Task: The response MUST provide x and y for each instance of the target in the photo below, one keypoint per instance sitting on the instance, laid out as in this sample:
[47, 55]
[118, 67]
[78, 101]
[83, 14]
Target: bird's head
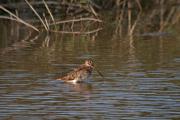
[89, 63]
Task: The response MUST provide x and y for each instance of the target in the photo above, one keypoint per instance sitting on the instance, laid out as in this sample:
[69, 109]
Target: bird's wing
[72, 75]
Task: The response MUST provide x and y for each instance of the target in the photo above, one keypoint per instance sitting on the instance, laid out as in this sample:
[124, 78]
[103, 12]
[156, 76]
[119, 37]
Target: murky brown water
[143, 78]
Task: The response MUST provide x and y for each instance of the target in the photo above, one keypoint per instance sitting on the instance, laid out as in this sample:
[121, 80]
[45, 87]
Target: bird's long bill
[99, 72]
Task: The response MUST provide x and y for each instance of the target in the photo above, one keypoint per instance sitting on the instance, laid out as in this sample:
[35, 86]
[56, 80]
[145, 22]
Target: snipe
[83, 72]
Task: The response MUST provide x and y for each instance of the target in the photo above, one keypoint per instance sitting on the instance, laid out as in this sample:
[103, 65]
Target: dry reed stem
[50, 13]
[37, 15]
[135, 23]
[139, 5]
[131, 26]
[45, 20]
[77, 32]
[72, 25]
[46, 41]
[129, 17]
[93, 11]
[161, 24]
[169, 16]
[120, 18]
[176, 20]
[77, 20]
[16, 18]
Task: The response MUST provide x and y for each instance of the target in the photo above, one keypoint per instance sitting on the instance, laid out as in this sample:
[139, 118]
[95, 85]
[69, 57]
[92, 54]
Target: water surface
[142, 78]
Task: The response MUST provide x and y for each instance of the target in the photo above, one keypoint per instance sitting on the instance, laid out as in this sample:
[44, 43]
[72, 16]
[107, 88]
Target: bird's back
[79, 74]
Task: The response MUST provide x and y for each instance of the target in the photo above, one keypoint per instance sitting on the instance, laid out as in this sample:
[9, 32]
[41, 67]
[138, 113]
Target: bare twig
[77, 32]
[129, 16]
[45, 20]
[77, 20]
[135, 23]
[16, 18]
[162, 11]
[139, 5]
[37, 15]
[176, 20]
[49, 11]
[93, 11]
[120, 19]
[72, 25]
[169, 16]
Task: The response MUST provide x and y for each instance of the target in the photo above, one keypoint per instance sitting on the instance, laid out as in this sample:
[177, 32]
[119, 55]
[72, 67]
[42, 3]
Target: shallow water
[142, 78]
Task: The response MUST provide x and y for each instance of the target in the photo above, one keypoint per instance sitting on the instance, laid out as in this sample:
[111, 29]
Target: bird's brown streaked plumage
[79, 74]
